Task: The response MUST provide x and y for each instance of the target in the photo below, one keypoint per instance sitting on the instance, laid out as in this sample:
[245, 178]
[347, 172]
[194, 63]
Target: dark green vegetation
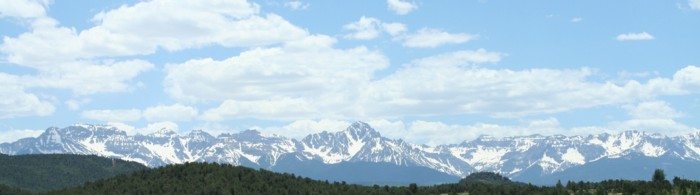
[11, 190]
[490, 183]
[46, 172]
[100, 176]
[205, 178]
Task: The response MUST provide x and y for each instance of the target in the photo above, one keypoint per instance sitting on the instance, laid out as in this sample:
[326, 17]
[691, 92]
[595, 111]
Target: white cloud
[652, 116]
[113, 115]
[130, 130]
[431, 38]
[153, 127]
[395, 28]
[175, 112]
[576, 19]
[83, 65]
[694, 4]
[401, 7]
[74, 104]
[369, 28]
[451, 83]
[365, 28]
[634, 36]
[84, 78]
[22, 8]
[16, 102]
[664, 126]
[311, 80]
[653, 110]
[296, 5]
[459, 58]
[308, 72]
[668, 127]
[687, 79]
[301, 128]
[16, 134]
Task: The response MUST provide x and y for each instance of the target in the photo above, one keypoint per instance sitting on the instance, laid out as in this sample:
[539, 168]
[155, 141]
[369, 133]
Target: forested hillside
[11, 190]
[46, 172]
[203, 178]
[97, 175]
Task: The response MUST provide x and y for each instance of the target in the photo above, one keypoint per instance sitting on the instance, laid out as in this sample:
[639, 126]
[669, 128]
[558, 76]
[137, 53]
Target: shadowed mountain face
[535, 158]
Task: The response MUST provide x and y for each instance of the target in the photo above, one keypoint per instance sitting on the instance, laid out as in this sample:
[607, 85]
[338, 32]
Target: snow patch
[650, 150]
[572, 155]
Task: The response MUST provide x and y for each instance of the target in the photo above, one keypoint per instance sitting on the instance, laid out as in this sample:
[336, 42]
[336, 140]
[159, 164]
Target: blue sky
[432, 72]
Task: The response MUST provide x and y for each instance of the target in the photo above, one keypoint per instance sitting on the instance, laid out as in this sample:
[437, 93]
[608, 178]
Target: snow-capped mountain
[524, 157]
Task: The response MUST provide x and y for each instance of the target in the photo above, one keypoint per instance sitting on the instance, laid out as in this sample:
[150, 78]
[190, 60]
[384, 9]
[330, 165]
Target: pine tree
[413, 187]
[659, 176]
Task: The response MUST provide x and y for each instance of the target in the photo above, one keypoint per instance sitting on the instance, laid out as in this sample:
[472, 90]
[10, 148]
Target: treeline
[206, 178]
[97, 175]
[12, 190]
[501, 185]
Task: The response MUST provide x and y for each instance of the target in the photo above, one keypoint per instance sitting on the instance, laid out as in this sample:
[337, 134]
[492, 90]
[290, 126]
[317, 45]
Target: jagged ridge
[510, 156]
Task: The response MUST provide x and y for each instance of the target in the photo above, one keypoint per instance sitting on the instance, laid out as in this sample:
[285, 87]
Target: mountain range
[359, 154]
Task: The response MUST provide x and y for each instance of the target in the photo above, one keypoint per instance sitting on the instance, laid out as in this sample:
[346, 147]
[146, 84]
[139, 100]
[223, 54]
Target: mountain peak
[361, 129]
[250, 134]
[164, 132]
[199, 135]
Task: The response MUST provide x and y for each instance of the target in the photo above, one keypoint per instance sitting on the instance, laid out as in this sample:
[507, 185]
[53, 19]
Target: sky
[428, 72]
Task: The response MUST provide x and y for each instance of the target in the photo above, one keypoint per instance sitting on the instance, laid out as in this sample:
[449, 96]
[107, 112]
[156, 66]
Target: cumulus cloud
[365, 28]
[85, 78]
[296, 5]
[694, 4]
[310, 79]
[369, 28]
[652, 116]
[153, 127]
[301, 128]
[15, 134]
[16, 102]
[138, 29]
[634, 36]
[653, 110]
[130, 130]
[401, 7]
[76, 104]
[175, 112]
[308, 72]
[125, 115]
[431, 38]
[22, 8]
[395, 28]
[455, 83]
[279, 109]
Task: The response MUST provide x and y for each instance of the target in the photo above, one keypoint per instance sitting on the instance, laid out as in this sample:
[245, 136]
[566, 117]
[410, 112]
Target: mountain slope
[367, 173]
[54, 171]
[525, 158]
